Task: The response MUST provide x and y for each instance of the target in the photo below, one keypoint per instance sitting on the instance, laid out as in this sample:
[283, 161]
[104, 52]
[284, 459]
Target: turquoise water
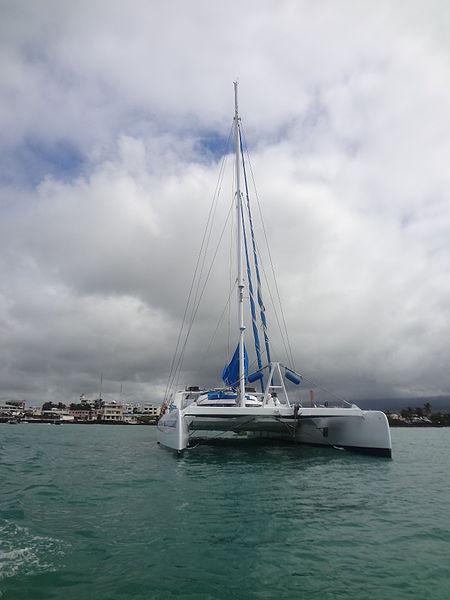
[102, 512]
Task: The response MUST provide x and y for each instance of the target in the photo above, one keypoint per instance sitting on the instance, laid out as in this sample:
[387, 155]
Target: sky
[113, 117]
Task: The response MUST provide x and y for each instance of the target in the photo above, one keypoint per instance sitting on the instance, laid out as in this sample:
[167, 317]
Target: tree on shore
[440, 419]
[82, 406]
[407, 413]
[50, 405]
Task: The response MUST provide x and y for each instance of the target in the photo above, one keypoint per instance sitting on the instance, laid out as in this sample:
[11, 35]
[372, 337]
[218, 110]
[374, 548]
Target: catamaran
[237, 409]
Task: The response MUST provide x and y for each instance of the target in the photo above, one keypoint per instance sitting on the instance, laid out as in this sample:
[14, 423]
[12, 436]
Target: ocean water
[103, 512]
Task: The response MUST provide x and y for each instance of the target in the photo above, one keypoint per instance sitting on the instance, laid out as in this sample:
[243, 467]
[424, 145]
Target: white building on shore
[149, 410]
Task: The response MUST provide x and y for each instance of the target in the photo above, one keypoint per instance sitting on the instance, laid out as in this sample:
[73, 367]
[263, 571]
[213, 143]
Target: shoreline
[13, 421]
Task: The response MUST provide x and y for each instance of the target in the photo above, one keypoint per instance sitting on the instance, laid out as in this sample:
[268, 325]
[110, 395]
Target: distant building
[84, 414]
[151, 410]
[112, 412]
[61, 414]
[10, 407]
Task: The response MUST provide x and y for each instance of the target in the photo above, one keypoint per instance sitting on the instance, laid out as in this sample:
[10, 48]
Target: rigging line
[268, 248]
[316, 385]
[231, 270]
[216, 193]
[172, 374]
[289, 350]
[220, 319]
[324, 389]
[205, 253]
[273, 343]
[279, 301]
[181, 357]
[252, 300]
[213, 212]
[260, 368]
[203, 250]
[258, 278]
[277, 318]
[196, 270]
[211, 227]
[272, 301]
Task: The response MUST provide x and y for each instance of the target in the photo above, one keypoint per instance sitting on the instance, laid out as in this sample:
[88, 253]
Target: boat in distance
[238, 409]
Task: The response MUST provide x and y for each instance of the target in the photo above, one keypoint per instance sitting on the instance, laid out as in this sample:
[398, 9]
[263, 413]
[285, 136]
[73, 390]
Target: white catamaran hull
[350, 428]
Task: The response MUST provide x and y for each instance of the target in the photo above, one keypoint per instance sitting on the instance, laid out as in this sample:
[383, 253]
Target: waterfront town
[84, 411]
[112, 412]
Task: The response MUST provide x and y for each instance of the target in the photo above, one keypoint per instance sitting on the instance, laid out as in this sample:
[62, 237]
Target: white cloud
[345, 110]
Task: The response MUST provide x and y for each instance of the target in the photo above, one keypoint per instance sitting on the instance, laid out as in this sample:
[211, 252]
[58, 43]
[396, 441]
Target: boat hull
[173, 430]
[352, 429]
[370, 434]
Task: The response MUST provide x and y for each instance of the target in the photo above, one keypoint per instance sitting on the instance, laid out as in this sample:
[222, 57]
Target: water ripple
[104, 513]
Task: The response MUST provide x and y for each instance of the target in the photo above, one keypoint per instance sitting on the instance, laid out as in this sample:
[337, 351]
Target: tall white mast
[239, 252]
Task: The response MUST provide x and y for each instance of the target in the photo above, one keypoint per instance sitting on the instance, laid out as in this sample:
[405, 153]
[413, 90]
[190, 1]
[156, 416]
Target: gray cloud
[111, 123]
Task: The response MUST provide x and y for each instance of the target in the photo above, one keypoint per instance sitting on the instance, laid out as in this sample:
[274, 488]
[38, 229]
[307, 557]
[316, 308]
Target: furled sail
[230, 374]
[255, 256]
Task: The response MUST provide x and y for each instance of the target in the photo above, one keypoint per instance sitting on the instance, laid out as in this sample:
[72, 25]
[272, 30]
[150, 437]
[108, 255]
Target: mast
[239, 252]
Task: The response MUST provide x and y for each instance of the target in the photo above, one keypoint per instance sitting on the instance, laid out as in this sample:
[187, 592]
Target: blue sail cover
[230, 374]
[252, 303]
[255, 256]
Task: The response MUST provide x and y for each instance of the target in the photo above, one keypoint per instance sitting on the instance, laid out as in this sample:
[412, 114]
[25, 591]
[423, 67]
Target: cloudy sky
[112, 119]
